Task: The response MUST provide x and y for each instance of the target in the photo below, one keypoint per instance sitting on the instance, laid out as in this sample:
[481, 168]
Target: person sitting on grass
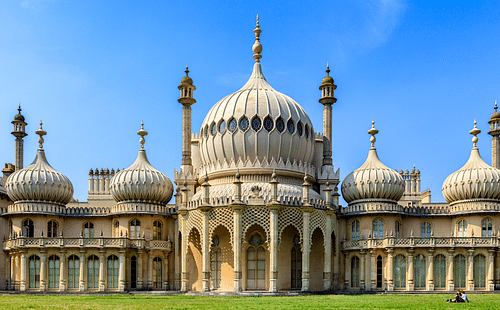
[464, 297]
[458, 298]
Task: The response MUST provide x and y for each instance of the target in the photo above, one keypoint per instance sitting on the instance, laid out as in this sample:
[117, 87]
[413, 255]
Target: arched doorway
[296, 264]
[379, 272]
[256, 263]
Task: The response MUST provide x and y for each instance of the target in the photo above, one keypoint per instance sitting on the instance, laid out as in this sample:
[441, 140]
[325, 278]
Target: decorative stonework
[289, 216]
[221, 217]
[256, 216]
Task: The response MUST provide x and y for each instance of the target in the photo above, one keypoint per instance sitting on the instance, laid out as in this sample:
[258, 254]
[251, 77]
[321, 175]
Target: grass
[205, 302]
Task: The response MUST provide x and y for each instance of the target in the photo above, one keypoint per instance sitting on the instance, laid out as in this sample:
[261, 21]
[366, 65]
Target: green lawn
[266, 303]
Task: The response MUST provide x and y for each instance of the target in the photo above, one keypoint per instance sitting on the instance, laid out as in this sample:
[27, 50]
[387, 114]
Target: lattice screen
[289, 216]
[195, 220]
[221, 217]
[318, 219]
[258, 216]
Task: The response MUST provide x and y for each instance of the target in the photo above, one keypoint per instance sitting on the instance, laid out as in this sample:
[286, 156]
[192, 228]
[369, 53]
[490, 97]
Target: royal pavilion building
[256, 207]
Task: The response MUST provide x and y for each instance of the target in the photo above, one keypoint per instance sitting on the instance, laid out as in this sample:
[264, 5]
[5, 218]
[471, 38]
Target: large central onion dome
[373, 180]
[475, 180]
[141, 182]
[39, 182]
[256, 123]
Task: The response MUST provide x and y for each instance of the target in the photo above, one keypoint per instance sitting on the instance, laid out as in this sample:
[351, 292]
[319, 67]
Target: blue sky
[92, 70]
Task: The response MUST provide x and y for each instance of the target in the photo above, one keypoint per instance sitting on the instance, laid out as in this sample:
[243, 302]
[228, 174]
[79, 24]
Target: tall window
[28, 229]
[355, 271]
[378, 229]
[157, 273]
[54, 268]
[34, 271]
[425, 231]
[88, 230]
[113, 269]
[116, 229]
[355, 230]
[215, 262]
[379, 271]
[462, 228]
[398, 228]
[73, 271]
[400, 271]
[420, 271]
[135, 229]
[256, 264]
[479, 271]
[157, 229]
[486, 228]
[11, 232]
[459, 273]
[296, 264]
[133, 272]
[440, 271]
[93, 272]
[52, 229]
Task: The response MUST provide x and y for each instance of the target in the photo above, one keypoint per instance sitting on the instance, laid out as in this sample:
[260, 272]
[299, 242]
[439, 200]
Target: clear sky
[92, 70]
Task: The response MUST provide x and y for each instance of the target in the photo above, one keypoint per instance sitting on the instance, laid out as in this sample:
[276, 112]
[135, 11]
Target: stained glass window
[280, 125]
[400, 271]
[290, 126]
[459, 273]
[244, 123]
[425, 230]
[73, 271]
[355, 230]
[54, 268]
[479, 271]
[113, 269]
[486, 228]
[378, 229]
[420, 274]
[268, 123]
[462, 229]
[34, 271]
[233, 124]
[355, 271]
[93, 272]
[256, 123]
[222, 127]
[439, 271]
[299, 128]
[157, 273]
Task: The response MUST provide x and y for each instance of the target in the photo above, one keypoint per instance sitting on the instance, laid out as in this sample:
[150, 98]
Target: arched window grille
[54, 268]
[113, 269]
[93, 272]
[400, 271]
[439, 271]
[479, 271]
[73, 272]
[459, 271]
[34, 271]
[420, 271]
[256, 264]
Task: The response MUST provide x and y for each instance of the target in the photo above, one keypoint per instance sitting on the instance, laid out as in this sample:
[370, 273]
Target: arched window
[215, 262]
[479, 271]
[296, 275]
[73, 271]
[256, 263]
[113, 269]
[88, 230]
[425, 230]
[157, 273]
[355, 271]
[486, 228]
[459, 273]
[93, 272]
[420, 271]
[54, 268]
[462, 228]
[379, 271]
[34, 271]
[378, 229]
[400, 271]
[116, 229]
[355, 230]
[135, 229]
[157, 229]
[398, 228]
[28, 229]
[439, 271]
[52, 229]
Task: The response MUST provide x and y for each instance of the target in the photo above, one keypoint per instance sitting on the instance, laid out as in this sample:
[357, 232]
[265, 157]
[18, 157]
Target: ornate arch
[289, 217]
[256, 216]
[221, 217]
[318, 220]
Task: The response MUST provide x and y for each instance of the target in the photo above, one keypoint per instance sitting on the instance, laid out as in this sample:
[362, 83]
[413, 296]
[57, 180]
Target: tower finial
[21, 110]
[327, 69]
[257, 47]
[373, 132]
[41, 133]
[187, 69]
[475, 131]
[496, 107]
[142, 133]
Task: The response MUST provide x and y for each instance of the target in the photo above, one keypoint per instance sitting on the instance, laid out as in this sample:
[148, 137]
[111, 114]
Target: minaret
[186, 100]
[327, 100]
[495, 139]
[19, 133]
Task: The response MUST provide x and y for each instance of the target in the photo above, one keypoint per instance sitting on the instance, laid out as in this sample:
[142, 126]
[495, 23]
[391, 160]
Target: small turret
[19, 132]
[187, 88]
[495, 138]
[327, 100]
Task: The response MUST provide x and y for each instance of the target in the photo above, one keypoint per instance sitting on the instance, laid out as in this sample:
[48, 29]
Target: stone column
[184, 249]
[390, 271]
[83, 276]
[273, 251]
[23, 285]
[491, 279]
[121, 273]
[139, 270]
[497, 270]
[327, 271]
[336, 258]
[451, 283]
[362, 270]
[62, 271]
[177, 266]
[16, 269]
[237, 212]
[165, 271]
[347, 272]
[373, 269]
[410, 271]
[43, 270]
[430, 270]
[470, 270]
[102, 270]
[306, 216]
[205, 250]
[150, 271]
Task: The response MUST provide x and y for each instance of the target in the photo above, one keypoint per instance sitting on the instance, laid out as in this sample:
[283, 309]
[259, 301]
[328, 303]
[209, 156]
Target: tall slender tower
[495, 139]
[19, 133]
[186, 100]
[327, 99]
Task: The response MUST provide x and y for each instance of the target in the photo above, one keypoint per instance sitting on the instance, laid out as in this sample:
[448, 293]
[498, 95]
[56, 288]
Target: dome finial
[142, 133]
[373, 132]
[20, 106]
[257, 47]
[187, 69]
[327, 69]
[475, 132]
[41, 133]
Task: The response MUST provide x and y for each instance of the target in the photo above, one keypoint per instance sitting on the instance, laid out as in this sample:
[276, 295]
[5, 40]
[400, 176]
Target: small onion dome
[327, 79]
[39, 182]
[141, 182]
[475, 180]
[19, 117]
[373, 180]
[187, 79]
[495, 115]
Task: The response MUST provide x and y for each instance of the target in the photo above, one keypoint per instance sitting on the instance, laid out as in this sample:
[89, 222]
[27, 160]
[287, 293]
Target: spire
[142, 133]
[257, 47]
[475, 132]
[496, 106]
[41, 133]
[373, 132]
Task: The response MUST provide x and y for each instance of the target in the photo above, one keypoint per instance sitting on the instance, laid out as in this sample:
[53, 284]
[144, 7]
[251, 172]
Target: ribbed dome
[373, 180]
[39, 182]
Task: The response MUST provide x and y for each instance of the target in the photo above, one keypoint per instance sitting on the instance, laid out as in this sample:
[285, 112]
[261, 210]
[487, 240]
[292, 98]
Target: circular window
[213, 131]
[233, 124]
[256, 123]
[244, 123]
[290, 126]
[268, 123]
[215, 242]
[280, 125]
[306, 131]
[255, 240]
[299, 129]
[222, 127]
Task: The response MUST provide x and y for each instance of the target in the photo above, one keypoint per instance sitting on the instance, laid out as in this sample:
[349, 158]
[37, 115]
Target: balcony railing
[391, 242]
